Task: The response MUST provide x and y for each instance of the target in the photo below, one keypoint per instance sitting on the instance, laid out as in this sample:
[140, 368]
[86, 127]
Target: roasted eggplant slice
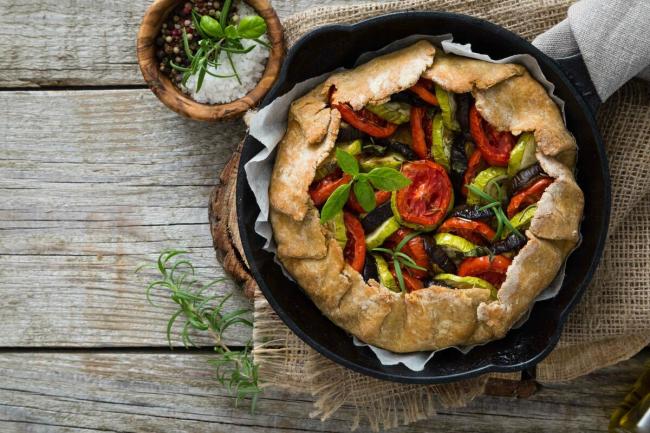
[370, 269]
[458, 164]
[527, 176]
[463, 101]
[513, 242]
[409, 98]
[440, 261]
[377, 217]
[396, 146]
[471, 212]
[348, 133]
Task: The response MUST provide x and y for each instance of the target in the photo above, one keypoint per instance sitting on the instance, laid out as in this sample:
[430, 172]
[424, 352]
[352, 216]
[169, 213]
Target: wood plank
[128, 392]
[97, 183]
[82, 43]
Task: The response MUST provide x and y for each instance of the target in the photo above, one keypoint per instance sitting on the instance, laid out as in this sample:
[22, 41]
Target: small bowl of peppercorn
[210, 60]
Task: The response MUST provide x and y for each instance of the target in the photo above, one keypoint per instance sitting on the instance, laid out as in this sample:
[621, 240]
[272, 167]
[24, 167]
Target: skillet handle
[575, 69]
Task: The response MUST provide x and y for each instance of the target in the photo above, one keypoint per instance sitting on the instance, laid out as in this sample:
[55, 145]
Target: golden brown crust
[311, 133]
[559, 211]
[381, 77]
[462, 74]
[435, 317]
[299, 239]
[521, 104]
[532, 270]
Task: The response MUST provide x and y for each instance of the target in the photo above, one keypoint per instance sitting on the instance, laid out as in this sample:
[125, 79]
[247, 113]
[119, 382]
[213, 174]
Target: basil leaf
[365, 195]
[211, 26]
[251, 27]
[388, 179]
[231, 32]
[335, 203]
[347, 162]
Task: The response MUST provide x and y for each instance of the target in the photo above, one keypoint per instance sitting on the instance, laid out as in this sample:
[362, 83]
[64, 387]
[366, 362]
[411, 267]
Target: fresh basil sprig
[400, 259]
[382, 178]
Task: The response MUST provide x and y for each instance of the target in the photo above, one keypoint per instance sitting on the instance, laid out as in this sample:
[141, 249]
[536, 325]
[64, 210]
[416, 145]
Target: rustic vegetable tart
[424, 200]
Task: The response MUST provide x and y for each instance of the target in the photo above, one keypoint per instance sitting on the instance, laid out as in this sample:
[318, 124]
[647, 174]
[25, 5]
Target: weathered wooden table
[97, 176]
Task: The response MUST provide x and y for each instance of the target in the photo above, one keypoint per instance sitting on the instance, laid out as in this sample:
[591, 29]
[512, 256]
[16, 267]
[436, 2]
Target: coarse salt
[250, 67]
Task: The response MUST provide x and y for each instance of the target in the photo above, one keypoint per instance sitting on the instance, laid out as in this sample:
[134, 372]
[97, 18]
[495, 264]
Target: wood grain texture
[129, 392]
[178, 101]
[83, 43]
[89, 189]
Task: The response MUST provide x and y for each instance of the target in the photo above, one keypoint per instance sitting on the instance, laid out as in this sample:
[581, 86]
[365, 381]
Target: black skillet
[330, 47]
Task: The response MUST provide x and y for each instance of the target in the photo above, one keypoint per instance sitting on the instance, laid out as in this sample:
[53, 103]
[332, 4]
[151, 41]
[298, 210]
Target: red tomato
[528, 196]
[367, 122]
[427, 199]
[491, 269]
[413, 248]
[418, 133]
[495, 145]
[474, 165]
[423, 89]
[323, 189]
[380, 197]
[355, 249]
[476, 232]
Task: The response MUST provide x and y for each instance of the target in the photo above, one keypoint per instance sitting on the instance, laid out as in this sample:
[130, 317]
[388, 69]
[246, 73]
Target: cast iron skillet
[330, 47]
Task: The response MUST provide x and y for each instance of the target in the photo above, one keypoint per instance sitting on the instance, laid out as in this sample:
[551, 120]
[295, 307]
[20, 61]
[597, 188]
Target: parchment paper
[269, 124]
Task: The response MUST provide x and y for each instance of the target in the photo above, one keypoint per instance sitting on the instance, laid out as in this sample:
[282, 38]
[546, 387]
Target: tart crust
[435, 317]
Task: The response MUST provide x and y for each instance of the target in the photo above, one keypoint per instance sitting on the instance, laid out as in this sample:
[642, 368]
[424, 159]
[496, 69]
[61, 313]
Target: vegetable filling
[387, 192]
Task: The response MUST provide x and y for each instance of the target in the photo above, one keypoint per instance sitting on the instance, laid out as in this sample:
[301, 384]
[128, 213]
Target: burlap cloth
[611, 323]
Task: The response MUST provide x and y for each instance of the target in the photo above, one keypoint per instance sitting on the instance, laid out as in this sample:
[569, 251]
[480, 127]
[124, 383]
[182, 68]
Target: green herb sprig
[496, 204]
[219, 36]
[382, 178]
[400, 259]
[203, 311]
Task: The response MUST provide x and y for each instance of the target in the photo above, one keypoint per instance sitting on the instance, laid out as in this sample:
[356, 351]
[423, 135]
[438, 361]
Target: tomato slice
[528, 196]
[427, 199]
[414, 248]
[355, 249]
[474, 166]
[418, 133]
[495, 145]
[321, 190]
[423, 89]
[491, 269]
[477, 232]
[367, 122]
[354, 205]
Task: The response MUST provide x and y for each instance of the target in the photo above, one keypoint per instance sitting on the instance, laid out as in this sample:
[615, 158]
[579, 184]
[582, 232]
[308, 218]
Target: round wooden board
[222, 213]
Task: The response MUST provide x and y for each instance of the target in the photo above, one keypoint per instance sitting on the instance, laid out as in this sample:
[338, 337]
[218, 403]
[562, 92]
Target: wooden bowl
[181, 103]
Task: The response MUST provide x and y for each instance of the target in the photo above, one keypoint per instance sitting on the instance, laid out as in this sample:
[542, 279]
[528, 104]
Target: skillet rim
[516, 42]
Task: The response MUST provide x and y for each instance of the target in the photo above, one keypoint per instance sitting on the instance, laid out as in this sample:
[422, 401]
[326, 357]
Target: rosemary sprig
[202, 310]
[399, 259]
[219, 36]
[496, 204]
